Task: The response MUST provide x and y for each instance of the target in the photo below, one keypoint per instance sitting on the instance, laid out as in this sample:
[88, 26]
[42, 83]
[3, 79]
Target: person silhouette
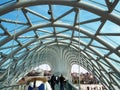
[52, 82]
[62, 82]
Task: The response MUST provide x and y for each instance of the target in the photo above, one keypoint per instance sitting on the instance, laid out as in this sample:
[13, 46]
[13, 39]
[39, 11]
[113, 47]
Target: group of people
[36, 82]
[57, 80]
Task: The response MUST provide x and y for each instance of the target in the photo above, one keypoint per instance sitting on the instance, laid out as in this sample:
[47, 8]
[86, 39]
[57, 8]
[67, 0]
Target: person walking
[52, 81]
[62, 82]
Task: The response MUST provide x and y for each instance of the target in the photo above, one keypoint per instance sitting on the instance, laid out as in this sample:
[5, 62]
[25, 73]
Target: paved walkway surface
[57, 87]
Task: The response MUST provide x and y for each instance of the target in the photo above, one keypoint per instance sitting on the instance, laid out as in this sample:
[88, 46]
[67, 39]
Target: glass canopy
[90, 27]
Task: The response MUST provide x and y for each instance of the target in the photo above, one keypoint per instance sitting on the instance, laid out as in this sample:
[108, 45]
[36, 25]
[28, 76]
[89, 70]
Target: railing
[70, 86]
[92, 87]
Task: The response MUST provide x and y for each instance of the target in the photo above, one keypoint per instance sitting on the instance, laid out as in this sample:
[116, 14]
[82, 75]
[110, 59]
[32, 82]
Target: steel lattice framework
[33, 32]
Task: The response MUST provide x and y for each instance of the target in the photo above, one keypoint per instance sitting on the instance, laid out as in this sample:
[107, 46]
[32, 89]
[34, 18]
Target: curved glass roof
[90, 27]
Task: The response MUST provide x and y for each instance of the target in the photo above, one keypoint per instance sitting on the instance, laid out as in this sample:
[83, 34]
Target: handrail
[70, 86]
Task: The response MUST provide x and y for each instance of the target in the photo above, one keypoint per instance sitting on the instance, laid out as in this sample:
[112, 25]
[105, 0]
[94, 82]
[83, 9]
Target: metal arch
[16, 50]
[90, 49]
[83, 5]
[69, 61]
[94, 10]
[83, 65]
[114, 50]
[88, 34]
[103, 58]
[96, 72]
[54, 52]
[102, 69]
[62, 25]
[44, 50]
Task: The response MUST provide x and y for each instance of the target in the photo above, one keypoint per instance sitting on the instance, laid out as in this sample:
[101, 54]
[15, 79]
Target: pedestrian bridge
[60, 33]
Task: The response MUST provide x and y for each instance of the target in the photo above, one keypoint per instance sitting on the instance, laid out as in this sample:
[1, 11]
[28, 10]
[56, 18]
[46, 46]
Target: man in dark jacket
[52, 82]
[62, 82]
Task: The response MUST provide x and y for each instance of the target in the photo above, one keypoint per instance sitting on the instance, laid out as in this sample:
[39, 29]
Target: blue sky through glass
[97, 33]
